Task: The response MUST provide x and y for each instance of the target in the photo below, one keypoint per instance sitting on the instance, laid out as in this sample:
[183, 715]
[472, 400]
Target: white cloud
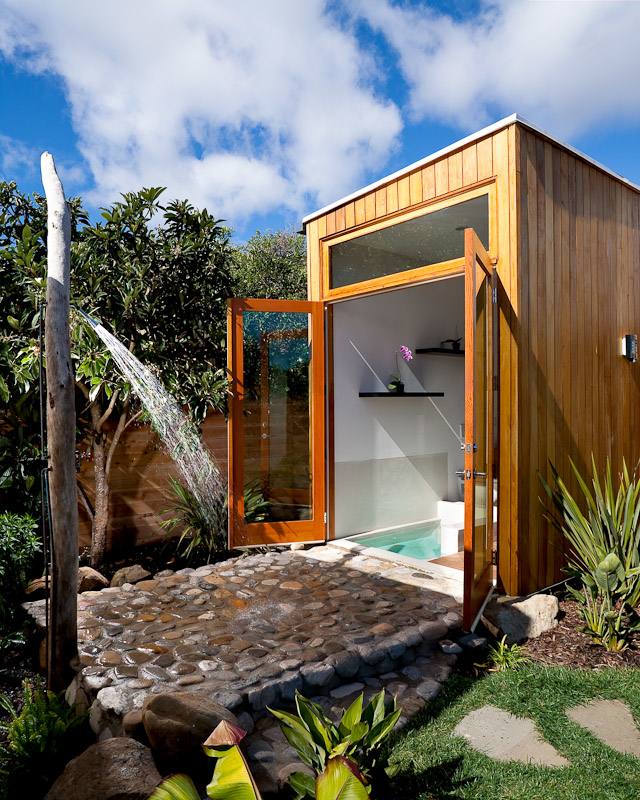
[19, 160]
[244, 106]
[570, 66]
[15, 158]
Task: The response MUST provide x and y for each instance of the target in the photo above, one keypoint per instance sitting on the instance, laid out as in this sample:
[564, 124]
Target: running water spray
[179, 435]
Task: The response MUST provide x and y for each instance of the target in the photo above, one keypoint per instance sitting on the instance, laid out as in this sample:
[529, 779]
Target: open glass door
[276, 424]
[478, 447]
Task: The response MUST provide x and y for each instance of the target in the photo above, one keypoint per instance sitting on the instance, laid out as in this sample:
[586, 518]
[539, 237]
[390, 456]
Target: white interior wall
[396, 457]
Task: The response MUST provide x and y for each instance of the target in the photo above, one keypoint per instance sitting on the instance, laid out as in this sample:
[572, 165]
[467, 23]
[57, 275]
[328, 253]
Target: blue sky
[266, 111]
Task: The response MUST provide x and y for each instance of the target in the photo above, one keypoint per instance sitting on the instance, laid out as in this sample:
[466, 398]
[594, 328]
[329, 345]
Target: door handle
[466, 474]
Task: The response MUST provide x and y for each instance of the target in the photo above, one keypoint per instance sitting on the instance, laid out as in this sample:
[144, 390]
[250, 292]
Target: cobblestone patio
[251, 631]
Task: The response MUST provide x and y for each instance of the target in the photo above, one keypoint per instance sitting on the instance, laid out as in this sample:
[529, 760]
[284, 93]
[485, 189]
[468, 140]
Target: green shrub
[198, 538]
[40, 738]
[19, 547]
[502, 656]
[605, 550]
[355, 741]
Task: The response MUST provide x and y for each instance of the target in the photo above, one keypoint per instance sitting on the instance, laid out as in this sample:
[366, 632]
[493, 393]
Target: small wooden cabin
[507, 263]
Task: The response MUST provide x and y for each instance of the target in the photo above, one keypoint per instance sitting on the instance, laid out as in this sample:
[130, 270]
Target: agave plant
[605, 550]
[609, 525]
[355, 740]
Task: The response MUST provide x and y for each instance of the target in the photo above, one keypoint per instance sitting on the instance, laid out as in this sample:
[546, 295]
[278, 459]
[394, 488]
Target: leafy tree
[23, 225]
[159, 277]
[271, 265]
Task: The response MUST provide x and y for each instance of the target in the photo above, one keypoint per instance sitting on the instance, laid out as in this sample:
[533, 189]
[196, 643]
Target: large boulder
[116, 769]
[521, 618]
[177, 723]
[132, 574]
[89, 580]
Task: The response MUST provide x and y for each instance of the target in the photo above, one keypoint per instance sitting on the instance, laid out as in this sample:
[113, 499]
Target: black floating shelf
[439, 351]
[401, 394]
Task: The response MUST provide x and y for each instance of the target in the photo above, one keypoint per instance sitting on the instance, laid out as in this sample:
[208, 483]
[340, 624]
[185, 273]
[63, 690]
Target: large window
[419, 242]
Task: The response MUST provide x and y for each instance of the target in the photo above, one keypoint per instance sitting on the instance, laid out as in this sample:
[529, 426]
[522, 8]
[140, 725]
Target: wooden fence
[140, 483]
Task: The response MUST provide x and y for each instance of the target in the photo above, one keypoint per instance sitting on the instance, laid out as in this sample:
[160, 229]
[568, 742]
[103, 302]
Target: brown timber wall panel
[139, 483]
[579, 252]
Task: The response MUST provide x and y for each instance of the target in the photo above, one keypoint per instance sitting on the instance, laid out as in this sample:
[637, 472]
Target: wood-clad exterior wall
[490, 161]
[140, 483]
[579, 256]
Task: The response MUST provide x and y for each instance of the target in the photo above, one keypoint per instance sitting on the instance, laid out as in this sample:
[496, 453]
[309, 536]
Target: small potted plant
[395, 385]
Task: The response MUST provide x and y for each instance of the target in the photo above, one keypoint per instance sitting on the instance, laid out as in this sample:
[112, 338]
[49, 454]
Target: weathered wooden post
[61, 435]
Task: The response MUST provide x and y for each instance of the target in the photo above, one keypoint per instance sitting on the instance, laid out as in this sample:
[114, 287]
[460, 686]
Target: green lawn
[434, 764]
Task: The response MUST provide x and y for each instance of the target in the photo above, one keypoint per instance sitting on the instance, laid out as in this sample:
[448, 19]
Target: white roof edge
[493, 128]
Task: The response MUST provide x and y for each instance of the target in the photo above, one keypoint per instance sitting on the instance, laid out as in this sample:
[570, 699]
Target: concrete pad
[505, 737]
[610, 721]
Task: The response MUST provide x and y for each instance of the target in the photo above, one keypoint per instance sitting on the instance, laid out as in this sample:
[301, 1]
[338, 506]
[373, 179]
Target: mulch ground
[567, 646]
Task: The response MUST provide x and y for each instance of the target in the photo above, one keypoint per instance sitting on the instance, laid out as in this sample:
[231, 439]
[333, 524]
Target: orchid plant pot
[395, 385]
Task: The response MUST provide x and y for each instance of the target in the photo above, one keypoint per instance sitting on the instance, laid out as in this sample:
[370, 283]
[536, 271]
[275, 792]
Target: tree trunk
[61, 433]
[101, 504]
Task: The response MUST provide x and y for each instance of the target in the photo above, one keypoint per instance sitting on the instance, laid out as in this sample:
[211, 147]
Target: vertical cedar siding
[579, 256]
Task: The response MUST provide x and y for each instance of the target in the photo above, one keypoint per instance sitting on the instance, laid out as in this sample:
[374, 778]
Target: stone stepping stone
[611, 721]
[505, 737]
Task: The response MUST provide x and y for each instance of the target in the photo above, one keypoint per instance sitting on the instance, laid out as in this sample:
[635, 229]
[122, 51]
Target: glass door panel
[479, 451]
[276, 421]
[276, 416]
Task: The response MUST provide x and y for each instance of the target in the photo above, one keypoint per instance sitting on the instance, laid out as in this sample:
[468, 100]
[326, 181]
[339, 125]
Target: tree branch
[122, 421]
[134, 417]
[107, 413]
[83, 389]
[85, 502]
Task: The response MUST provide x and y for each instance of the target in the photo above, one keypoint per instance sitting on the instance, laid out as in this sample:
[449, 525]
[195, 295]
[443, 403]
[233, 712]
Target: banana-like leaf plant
[339, 781]
[176, 787]
[232, 778]
[356, 738]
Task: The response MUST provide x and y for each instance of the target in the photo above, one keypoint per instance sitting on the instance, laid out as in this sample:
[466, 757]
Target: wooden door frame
[329, 344]
[475, 247]
[256, 534]
[399, 280]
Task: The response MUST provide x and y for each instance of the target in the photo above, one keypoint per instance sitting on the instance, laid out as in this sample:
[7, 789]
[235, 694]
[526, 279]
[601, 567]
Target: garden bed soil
[566, 645]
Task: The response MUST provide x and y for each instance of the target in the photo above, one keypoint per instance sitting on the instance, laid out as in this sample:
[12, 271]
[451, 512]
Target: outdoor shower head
[93, 322]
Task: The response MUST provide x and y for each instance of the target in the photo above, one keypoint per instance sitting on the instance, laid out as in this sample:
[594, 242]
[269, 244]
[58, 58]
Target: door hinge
[494, 294]
[325, 517]
[494, 558]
